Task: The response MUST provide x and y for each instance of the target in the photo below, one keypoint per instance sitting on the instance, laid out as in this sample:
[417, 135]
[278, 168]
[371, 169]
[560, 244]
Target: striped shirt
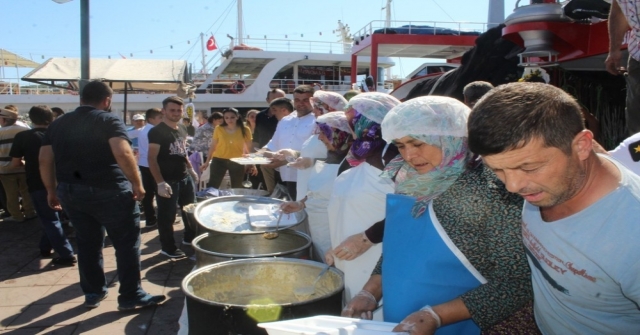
[631, 10]
[7, 134]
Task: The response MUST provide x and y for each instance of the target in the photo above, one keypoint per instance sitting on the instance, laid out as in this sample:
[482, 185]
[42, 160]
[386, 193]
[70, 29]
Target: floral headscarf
[331, 99]
[336, 128]
[370, 109]
[437, 121]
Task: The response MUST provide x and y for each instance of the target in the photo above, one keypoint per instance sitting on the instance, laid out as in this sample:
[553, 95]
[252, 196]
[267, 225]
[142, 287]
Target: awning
[136, 74]
[9, 59]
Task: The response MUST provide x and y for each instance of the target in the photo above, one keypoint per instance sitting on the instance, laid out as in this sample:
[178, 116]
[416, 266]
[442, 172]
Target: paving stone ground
[37, 297]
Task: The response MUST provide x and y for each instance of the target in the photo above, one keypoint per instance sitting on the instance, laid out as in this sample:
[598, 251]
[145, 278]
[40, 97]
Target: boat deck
[37, 297]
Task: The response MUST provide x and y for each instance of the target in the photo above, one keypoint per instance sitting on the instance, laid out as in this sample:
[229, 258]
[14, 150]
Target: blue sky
[41, 29]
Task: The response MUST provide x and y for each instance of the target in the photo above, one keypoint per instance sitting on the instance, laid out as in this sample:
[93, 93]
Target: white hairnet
[332, 99]
[425, 117]
[373, 105]
[335, 120]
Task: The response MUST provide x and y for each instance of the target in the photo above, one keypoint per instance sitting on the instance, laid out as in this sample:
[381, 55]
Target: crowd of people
[499, 214]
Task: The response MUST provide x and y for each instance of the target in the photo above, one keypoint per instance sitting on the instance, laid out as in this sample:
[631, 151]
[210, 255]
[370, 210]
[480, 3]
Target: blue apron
[421, 266]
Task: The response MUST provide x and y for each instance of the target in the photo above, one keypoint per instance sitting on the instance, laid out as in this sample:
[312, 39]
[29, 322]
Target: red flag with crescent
[211, 44]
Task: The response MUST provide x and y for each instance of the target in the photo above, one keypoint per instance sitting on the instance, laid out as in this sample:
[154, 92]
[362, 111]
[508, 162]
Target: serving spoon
[310, 290]
[270, 235]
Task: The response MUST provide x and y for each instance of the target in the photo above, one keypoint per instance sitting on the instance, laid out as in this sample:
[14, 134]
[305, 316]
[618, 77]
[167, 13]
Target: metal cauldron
[233, 297]
[239, 191]
[214, 248]
[230, 214]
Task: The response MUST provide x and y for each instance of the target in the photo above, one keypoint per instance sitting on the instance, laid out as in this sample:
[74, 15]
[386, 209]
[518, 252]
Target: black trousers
[150, 186]
[220, 166]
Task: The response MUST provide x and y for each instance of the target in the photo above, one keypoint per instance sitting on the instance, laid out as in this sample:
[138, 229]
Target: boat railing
[421, 27]
[296, 45]
[13, 86]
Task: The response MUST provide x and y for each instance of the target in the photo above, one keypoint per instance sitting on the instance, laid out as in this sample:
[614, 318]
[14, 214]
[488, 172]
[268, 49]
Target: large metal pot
[214, 248]
[233, 297]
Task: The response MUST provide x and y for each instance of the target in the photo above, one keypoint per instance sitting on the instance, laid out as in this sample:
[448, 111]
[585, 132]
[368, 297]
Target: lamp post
[84, 41]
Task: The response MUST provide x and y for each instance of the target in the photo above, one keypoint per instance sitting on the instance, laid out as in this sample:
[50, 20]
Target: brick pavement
[37, 297]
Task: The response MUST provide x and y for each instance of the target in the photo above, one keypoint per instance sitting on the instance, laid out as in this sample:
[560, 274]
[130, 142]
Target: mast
[387, 24]
[204, 62]
[240, 24]
[345, 38]
[496, 13]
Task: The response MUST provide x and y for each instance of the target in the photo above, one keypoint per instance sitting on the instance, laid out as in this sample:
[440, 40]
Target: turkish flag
[211, 44]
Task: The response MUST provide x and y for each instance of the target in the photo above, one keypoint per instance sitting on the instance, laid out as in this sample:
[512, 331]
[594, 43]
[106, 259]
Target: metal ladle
[310, 290]
[270, 235]
[247, 183]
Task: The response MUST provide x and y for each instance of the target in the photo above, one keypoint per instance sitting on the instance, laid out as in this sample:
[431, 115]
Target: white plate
[251, 160]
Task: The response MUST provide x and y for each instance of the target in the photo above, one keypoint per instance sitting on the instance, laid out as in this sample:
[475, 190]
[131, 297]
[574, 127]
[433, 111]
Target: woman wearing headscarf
[326, 101]
[323, 102]
[334, 132]
[453, 255]
[358, 195]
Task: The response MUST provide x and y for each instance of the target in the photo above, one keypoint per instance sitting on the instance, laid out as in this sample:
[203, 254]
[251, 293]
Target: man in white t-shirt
[628, 153]
[580, 219]
[152, 117]
[291, 132]
[624, 20]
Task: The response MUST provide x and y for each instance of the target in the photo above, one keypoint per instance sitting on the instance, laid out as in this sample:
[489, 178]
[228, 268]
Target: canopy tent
[10, 59]
[123, 75]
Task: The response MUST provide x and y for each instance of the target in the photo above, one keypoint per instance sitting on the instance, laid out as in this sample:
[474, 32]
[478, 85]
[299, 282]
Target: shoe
[175, 254]
[150, 224]
[30, 217]
[146, 301]
[12, 219]
[65, 261]
[45, 253]
[93, 300]
[185, 242]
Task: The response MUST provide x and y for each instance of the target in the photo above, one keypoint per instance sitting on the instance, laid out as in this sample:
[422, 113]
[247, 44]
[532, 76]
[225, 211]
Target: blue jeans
[52, 235]
[183, 194]
[91, 210]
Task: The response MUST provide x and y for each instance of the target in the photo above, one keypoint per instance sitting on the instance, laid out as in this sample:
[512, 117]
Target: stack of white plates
[328, 325]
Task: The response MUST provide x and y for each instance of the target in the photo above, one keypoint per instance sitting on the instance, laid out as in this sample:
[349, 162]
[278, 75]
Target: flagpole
[204, 64]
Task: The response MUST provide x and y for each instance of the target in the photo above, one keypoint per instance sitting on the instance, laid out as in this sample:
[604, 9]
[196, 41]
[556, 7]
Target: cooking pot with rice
[233, 297]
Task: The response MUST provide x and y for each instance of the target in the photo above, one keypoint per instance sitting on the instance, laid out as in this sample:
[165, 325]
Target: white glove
[302, 163]
[361, 306]
[193, 175]
[286, 154]
[164, 190]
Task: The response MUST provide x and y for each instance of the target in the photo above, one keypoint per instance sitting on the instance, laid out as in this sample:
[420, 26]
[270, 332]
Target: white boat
[248, 69]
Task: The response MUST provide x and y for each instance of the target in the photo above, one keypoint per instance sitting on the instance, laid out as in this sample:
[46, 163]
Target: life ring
[237, 87]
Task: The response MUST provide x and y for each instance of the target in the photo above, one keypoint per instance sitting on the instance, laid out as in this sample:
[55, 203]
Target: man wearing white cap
[13, 179]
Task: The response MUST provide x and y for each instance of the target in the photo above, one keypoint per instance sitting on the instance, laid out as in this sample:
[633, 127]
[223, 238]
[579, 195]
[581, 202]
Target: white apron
[311, 148]
[357, 202]
[319, 189]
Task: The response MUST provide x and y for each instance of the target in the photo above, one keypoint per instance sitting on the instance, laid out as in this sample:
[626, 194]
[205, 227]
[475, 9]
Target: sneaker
[65, 261]
[13, 219]
[45, 253]
[185, 242]
[150, 224]
[146, 301]
[175, 254]
[93, 300]
[31, 217]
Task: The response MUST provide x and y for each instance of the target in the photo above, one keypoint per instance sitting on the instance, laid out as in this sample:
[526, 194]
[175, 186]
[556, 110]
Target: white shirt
[292, 131]
[143, 145]
[631, 11]
[627, 151]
